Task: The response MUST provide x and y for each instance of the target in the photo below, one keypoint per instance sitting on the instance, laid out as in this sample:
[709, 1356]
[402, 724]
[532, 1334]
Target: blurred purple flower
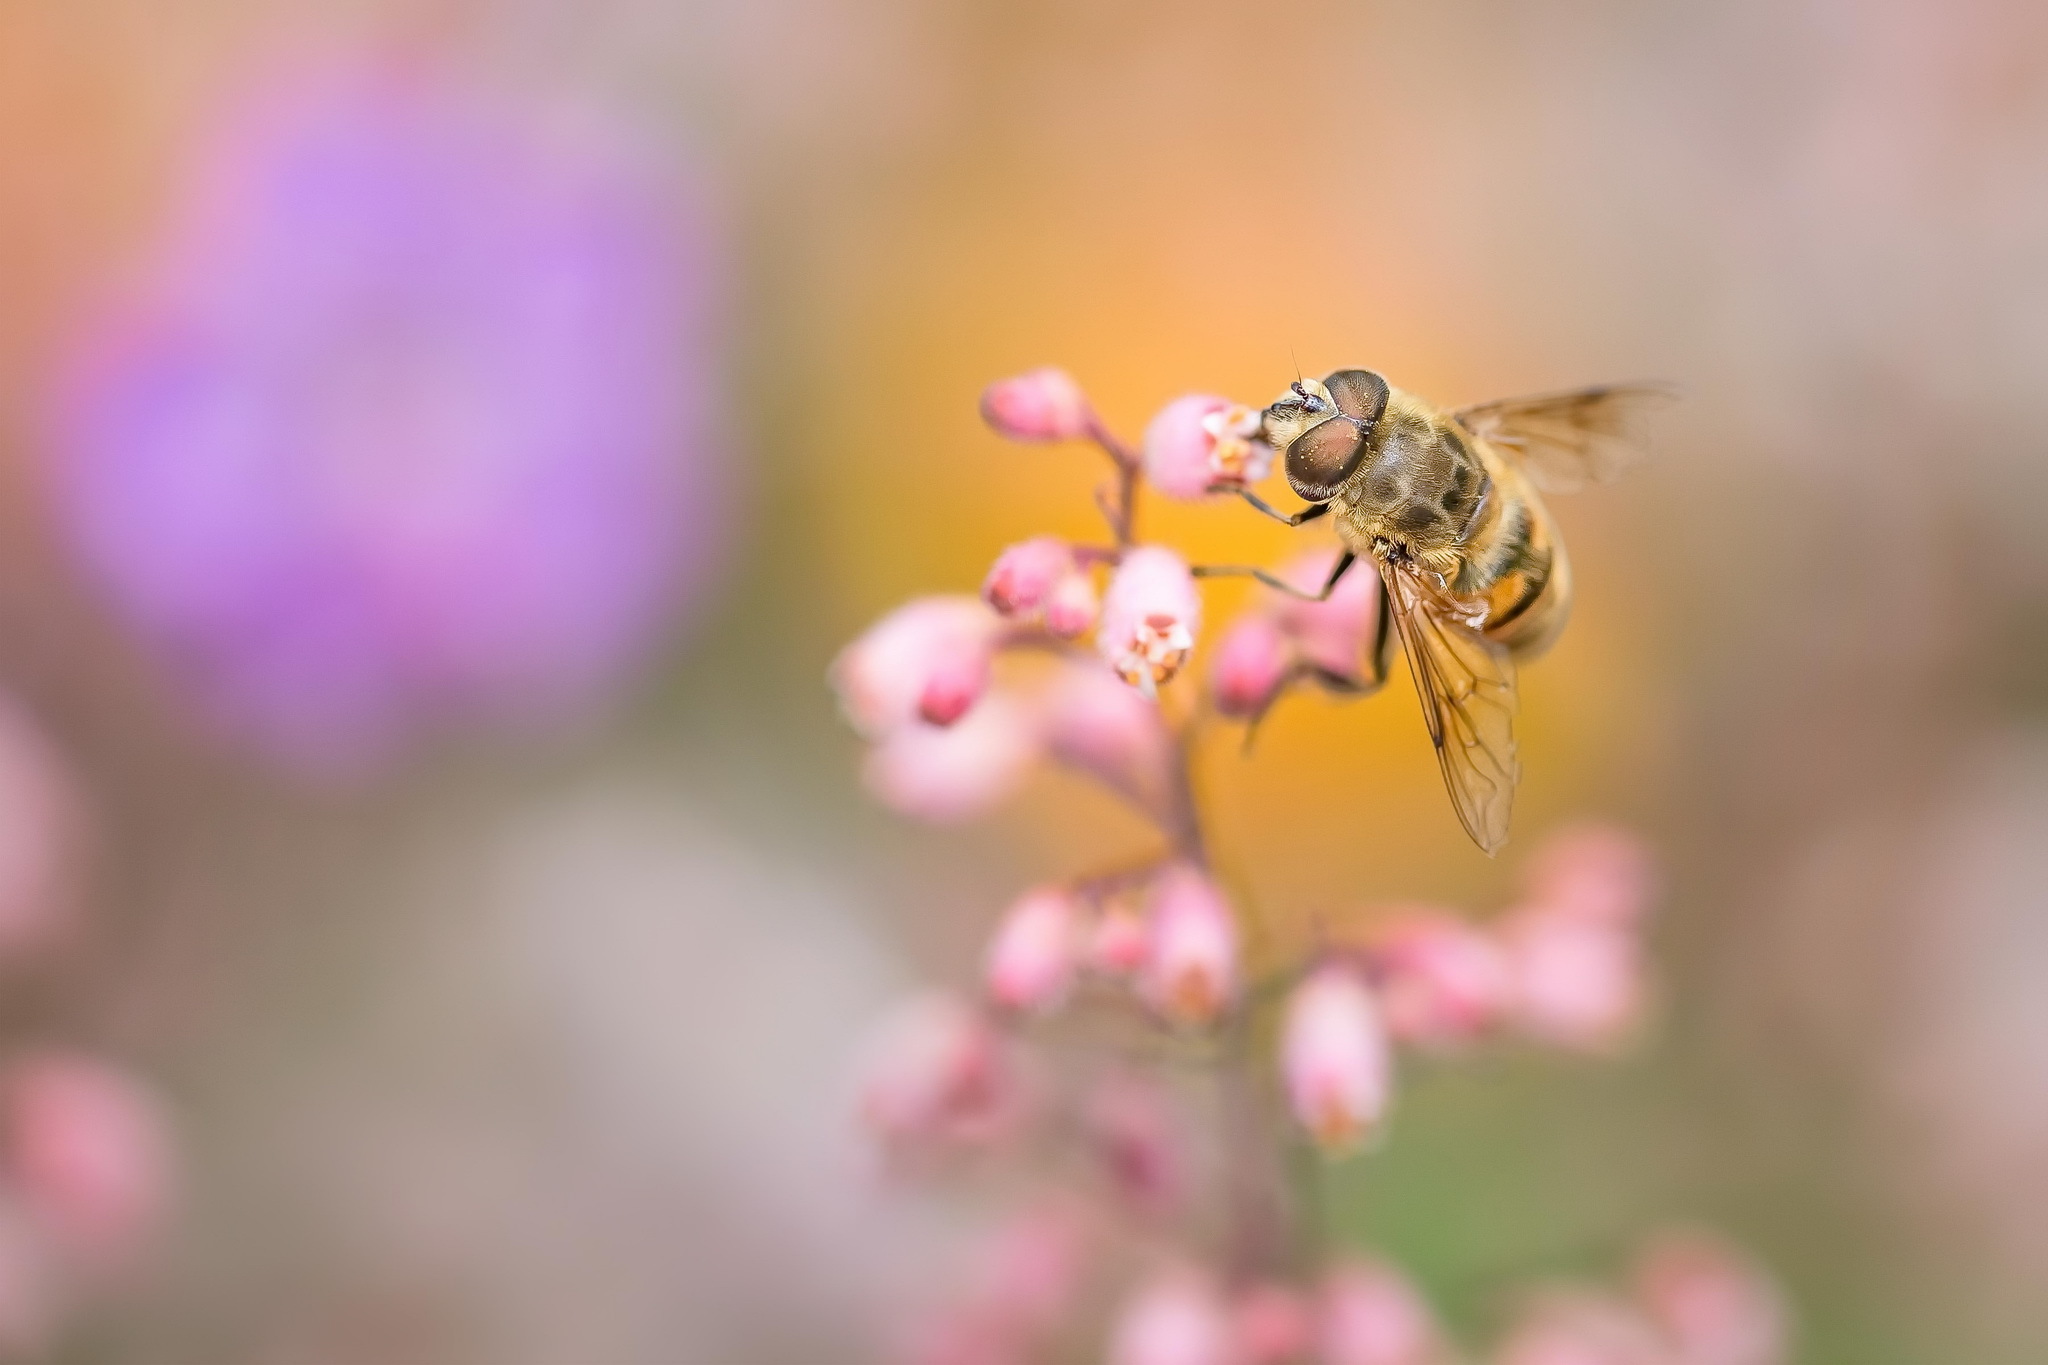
[408, 420]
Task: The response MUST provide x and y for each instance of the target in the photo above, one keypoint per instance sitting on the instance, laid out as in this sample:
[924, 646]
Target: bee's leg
[1308, 513]
[1274, 581]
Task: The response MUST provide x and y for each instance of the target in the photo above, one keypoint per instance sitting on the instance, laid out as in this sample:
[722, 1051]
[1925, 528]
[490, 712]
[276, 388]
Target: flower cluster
[1124, 1056]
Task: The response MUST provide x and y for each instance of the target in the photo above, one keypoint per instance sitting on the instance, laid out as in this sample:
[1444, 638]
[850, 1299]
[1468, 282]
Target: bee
[1473, 575]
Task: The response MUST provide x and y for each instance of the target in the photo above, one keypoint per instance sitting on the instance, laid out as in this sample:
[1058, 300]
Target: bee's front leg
[1277, 583]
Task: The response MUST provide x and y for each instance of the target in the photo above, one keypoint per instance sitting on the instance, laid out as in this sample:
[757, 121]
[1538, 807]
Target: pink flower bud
[1334, 1058]
[956, 773]
[1025, 574]
[1601, 874]
[1711, 1301]
[89, 1150]
[1031, 959]
[1119, 943]
[929, 658]
[1251, 662]
[1073, 607]
[1132, 1131]
[1176, 1319]
[1372, 1315]
[1333, 634]
[1272, 1324]
[1574, 983]
[1199, 441]
[936, 1074]
[1039, 405]
[1191, 976]
[1571, 1327]
[1096, 724]
[1150, 617]
[1440, 981]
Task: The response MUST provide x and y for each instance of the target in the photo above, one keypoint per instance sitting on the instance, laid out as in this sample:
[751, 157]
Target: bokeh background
[495, 968]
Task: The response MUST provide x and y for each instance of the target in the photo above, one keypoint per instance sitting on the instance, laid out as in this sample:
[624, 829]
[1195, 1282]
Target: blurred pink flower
[1175, 1319]
[1028, 1272]
[927, 660]
[1371, 1315]
[1025, 574]
[88, 1149]
[1191, 976]
[1132, 1131]
[1039, 405]
[1250, 663]
[1335, 633]
[1096, 724]
[411, 419]
[1119, 942]
[1440, 980]
[937, 1074]
[1199, 441]
[1150, 617]
[1581, 1327]
[42, 826]
[1713, 1303]
[1334, 1057]
[1600, 874]
[1041, 579]
[1034, 952]
[957, 772]
[1575, 983]
[1272, 1324]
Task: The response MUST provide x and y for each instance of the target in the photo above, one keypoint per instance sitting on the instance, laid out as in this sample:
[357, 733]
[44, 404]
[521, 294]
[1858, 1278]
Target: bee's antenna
[1297, 362]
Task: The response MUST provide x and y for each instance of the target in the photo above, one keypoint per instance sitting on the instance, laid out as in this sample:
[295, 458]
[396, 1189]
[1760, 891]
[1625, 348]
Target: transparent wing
[1568, 440]
[1467, 687]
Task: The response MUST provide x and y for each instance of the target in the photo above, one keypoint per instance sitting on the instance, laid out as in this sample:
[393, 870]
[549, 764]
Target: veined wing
[1467, 687]
[1568, 440]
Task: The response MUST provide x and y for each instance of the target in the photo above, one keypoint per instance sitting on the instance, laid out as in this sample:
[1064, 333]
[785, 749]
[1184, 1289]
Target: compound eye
[1359, 394]
[1321, 458]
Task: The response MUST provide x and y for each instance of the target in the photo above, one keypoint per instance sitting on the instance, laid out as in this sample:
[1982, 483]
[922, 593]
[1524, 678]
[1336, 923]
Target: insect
[1472, 571]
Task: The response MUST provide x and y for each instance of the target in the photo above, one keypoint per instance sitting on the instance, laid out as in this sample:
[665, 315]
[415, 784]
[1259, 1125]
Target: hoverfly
[1472, 570]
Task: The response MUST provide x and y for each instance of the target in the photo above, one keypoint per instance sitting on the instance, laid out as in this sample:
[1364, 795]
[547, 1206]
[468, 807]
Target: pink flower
[1335, 633]
[956, 773]
[1574, 984]
[1094, 723]
[1119, 943]
[1041, 578]
[1028, 1271]
[1150, 617]
[41, 828]
[1176, 1319]
[1573, 1327]
[1025, 574]
[936, 1074]
[928, 659]
[1199, 441]
[1372, 1315]
[1272, 1324]
[1072, 607]
[1251, 662]
[1191, 976]
[1334, 1057]
[1038, 405]
[1031, 959]
[89, 1150]
[1711, 1301]
[1600, 874]
[1440, 980]
[1132, 1131]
